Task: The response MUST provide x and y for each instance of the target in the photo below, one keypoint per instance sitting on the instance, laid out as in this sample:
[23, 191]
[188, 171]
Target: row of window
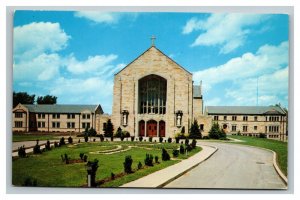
[245, 118]
[19, 124]
[272, 129]
[54, 116]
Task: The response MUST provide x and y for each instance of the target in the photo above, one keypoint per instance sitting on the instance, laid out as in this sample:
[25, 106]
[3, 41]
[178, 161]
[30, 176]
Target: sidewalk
[164, 176]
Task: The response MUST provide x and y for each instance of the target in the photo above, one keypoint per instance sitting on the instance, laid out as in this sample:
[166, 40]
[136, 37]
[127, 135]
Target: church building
[154, 96]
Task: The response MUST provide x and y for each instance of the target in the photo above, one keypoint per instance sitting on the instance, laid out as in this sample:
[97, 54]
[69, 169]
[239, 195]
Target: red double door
[151, 129]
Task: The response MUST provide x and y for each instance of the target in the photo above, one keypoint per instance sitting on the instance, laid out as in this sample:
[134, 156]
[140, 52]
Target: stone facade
[179, 94]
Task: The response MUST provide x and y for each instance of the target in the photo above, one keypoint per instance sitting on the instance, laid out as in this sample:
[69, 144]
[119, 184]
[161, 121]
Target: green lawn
[281, 148]
[49, 170]
[22, 137]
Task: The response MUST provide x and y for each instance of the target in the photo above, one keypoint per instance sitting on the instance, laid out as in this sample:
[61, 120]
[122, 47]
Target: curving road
[233, 166]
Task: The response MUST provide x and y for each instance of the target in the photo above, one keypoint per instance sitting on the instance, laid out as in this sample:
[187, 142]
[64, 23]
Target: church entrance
[151, 128]
[142, 128]
[162, 129]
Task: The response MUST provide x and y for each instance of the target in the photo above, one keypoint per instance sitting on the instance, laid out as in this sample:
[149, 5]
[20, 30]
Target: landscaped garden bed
[50, 169]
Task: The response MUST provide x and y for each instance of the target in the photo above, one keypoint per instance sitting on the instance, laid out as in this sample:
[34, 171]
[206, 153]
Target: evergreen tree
[23, 98]
[109, 129]
[195, 131]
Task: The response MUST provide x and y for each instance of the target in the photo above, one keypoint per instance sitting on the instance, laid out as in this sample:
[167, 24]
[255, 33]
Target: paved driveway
[233, 166]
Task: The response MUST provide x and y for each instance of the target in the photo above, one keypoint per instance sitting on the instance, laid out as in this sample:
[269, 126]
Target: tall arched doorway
[142, 128]
[162, 128]
[151, 128]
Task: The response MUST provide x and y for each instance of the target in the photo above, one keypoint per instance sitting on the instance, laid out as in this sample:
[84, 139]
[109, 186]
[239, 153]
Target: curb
[189, 169]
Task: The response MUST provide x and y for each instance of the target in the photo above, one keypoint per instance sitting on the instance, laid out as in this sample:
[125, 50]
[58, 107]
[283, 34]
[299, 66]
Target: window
[201, 127]
[55, 124]
[255, 128]
[85, 125]
[41, 116]
[55, 116]
[225, 118]
[245, 118]
[41, 124]
[274, 119]
[245, 128]
[233, 128]
[216, 118]
[88, 116]
[71, 116]
[18, 124]
[70, 124]
[273, 129]
[18, 115]
[233, 118]
[255, 118]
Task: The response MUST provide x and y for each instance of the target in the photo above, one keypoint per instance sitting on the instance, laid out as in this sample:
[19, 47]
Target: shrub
[101, 137]
[85, 157]
[86, 138]
[22, 152]
[55, 144]
[119, 132]
[161, 139]
[177, 140]
[112, 138]
[37, 148]
[149, 160]
[70, 140]
[126, 134]
[175, 153]
[92, 167]
[132, 138]
[29, 181]
[262, 135]
[187, 141]
[150, 139]
[112, 176]
[47, 145]
[92, 132]
[65, 158]
[79, 141]
[169, 140]
[127, 164]
[122, 137]
[181, 149]
[81, 156]
[188, 148]
[94, 140]
[62, 141]
[205, 137]
[139, 166]
[193, 145]
[165, 156]
[141, 138]
[239, 133]
[156, 159]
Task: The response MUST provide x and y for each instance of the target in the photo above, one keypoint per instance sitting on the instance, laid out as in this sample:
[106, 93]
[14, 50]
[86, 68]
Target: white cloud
[36, 38]
[229, 31]
[42, 68]
[104, 17]
[272, 89]
[98, 64]
[267, 59]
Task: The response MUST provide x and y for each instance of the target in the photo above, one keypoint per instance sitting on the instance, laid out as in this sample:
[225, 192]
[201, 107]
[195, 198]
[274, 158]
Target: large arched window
[152, 95]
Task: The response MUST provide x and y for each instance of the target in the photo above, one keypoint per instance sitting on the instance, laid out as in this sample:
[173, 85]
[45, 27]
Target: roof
[250, 110]
[158, 51]
[197, 91]
[61, 108]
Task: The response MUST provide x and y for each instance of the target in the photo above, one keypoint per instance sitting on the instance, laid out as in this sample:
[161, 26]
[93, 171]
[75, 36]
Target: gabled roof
[61, 108]
[159, 52]
[249, 110]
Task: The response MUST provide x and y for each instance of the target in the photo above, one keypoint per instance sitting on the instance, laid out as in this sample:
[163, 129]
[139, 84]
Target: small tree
[108, 129]
[22, 152]
[161, 139]
[193, 145]
[62, 141]
[127, 164]
[169, 140]
[195, 131]
[175, 153]
[156, 159]
[149, 160]
[101, 137]
[92, 167]
[150, 139]
[37, 148]
[181, 149]
[47, 146]
[140, 138]
[139, 166]
[165, 156]
[70, 140]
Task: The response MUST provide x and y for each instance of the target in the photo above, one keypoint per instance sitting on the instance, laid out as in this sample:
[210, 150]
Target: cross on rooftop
[153, 38]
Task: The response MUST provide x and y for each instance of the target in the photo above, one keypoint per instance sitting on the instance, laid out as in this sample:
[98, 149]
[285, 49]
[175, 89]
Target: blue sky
[74, 55]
